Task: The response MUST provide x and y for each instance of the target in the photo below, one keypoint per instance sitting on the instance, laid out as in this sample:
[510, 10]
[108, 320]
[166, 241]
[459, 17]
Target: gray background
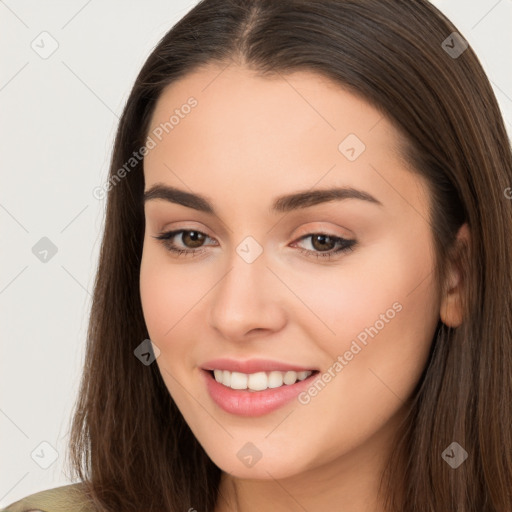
[58, 120]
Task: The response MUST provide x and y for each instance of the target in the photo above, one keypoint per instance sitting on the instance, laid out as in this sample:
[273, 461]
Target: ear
[451, 312]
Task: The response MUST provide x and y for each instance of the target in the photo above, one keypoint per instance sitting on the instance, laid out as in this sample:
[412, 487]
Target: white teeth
[290, 378]
[260, 380]
[257, 381]
[238, 380]
[275, 379]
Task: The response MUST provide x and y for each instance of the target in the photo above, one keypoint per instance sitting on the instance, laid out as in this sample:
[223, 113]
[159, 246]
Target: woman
[304, 292]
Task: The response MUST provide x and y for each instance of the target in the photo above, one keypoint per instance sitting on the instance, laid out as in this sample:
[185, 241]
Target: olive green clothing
[68, 498]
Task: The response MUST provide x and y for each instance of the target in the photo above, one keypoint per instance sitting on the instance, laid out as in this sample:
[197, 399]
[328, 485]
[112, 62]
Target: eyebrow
[282, 204]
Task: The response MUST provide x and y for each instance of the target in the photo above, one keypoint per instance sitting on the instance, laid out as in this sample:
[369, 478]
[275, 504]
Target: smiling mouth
[259, 381]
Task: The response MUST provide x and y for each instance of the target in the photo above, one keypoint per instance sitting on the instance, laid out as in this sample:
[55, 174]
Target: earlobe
[451, 310]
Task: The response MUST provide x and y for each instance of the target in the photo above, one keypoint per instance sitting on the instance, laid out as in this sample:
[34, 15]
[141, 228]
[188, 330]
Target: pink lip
[252, 366]
[252, 403]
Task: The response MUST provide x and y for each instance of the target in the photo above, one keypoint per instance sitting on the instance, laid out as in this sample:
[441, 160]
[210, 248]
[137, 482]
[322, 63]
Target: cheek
[379, 314]
[382, 310]
[172, 298]
[167, 292]
[379, 280]
[155, 297]
[166, 296]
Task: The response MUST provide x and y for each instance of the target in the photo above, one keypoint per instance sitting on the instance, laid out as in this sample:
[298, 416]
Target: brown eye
[326, 246]
[184, 241]
[193, 239]
[323, 242]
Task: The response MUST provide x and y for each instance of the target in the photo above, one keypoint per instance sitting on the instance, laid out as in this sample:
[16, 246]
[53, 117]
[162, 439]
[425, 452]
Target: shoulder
[67, 498]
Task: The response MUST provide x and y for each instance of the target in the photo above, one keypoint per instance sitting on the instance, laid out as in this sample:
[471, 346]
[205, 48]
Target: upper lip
[252, 365]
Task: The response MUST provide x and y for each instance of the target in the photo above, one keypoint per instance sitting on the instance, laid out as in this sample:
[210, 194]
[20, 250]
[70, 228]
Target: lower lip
[253, 403]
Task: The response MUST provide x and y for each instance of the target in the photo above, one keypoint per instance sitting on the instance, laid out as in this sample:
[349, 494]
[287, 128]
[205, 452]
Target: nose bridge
[245, 298]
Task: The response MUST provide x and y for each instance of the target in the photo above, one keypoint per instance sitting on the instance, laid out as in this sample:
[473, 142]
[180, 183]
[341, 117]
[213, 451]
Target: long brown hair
[130, 444]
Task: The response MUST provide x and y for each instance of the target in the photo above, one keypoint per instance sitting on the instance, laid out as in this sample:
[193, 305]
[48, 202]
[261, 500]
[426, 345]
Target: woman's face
[311, 261]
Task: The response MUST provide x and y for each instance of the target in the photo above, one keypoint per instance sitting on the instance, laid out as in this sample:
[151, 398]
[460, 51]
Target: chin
[261, 460]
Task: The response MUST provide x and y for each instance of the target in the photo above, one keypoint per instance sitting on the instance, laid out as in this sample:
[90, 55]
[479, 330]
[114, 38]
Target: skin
[249, 140]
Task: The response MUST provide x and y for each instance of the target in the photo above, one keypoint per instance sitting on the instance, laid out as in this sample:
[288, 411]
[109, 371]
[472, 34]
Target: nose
[248, 299]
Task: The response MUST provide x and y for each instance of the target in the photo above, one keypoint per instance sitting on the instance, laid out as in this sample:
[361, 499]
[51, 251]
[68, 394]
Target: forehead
[241, 94]
[266, 132]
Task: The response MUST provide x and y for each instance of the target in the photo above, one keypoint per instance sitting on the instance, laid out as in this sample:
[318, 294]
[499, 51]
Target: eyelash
[346, 244]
